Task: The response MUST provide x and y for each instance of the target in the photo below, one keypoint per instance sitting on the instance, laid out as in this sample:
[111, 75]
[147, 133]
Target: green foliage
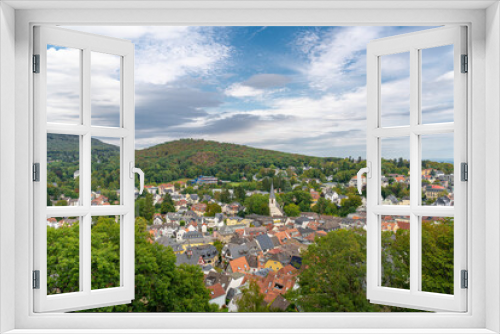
[148, 209]
[212, 209]
[324, 206]
[298, 197]
[167, 205]
[160, 286]
[61, 202]
[258, 204]
[292, 210]
[63, 254]
[396, 259]
[252, 300]
[437, 256]
[240, 195]
[349, 205]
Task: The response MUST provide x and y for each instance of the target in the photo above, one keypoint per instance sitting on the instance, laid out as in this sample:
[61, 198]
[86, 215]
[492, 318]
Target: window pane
[395, 171]
[437, 254]
[105, 252]
[105, 171]
[437, 84]
[63, 85]
[105, 89]
[63, 170]
[395, 251]
[63, 255]
[395, 89]
[437, 169]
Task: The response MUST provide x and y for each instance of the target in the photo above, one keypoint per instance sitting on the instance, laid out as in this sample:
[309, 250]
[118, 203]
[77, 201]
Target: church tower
[274, 208]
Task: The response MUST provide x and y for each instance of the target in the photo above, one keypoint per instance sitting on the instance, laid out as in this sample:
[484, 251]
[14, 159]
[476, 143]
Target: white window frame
[413, 43]
[484, 308]
[85, 297]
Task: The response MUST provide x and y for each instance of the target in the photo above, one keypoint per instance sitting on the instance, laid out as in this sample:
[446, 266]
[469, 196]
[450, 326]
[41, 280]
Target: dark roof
[252, 261]
[280, 303]
[217, 278]
[265, 242]
[231, 293]
[275, 241]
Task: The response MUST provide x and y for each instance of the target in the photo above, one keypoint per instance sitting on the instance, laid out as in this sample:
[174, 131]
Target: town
[237, 236]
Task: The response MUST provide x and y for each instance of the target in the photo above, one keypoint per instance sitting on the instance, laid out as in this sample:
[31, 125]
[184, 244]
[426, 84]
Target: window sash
[86, 297]
[412, 43]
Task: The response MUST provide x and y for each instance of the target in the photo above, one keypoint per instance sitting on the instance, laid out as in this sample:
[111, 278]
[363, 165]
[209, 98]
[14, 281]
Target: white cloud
[166, 54]
[239, 90]
[333, 55]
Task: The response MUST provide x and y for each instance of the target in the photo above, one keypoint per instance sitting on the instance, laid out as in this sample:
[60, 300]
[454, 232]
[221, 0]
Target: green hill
[188, 158]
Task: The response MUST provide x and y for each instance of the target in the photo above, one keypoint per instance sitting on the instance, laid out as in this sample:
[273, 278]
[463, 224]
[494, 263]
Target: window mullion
[414, 170]
[85, 179]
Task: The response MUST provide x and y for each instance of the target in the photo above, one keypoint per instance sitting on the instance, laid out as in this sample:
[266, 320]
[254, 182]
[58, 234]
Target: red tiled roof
[216, 290]
[239, 265]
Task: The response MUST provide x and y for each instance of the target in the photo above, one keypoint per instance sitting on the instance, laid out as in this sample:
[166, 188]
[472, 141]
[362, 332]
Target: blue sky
[293, 89]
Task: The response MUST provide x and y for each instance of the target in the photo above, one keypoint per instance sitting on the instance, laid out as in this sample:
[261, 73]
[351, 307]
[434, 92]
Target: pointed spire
[271, 192]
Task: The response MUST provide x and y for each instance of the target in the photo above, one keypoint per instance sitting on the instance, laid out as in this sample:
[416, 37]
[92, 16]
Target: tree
[334, 274]
[160, 285]
[251, 299]
[292, 210]
[182, 223]
[149, 209]
[61, 202]
[240, 194]
[167, 205]
[225, 196]
[437, 256]
[258, 204]
[212, 209]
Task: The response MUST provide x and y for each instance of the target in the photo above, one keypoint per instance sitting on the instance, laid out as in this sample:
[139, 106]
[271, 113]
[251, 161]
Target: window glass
[437, 170]
[63, 170]
[437, 84]
[105, 89]
[63, 255]
[105, 237]
[105, 171]
[395, 251]
[395, 89]
[63, 84]
[437, 254]
[395, 165]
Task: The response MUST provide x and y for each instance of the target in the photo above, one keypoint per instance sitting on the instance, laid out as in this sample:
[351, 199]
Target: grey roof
[185, 259]
[236, 251]
[192, 235]
[193, 197]
[265, 242]
[170, 242]
[231, 293]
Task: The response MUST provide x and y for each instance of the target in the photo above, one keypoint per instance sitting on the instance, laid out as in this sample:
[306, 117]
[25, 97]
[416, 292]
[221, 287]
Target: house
[217, 295]
[239, 265]
[433, 191]
[265, 242]
[273, 263]
[199, 208]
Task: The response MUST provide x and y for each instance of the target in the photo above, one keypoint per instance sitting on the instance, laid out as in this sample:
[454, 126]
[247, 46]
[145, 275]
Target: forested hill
[66, 147]
[190, 158]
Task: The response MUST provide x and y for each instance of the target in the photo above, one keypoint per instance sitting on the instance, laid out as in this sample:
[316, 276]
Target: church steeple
[271, 192]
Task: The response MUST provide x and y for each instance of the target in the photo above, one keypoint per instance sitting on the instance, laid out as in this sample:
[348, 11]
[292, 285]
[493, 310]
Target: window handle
[368, 171]
[133, 171]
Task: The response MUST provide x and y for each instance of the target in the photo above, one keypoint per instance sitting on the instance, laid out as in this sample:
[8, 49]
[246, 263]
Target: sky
[292, 89]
